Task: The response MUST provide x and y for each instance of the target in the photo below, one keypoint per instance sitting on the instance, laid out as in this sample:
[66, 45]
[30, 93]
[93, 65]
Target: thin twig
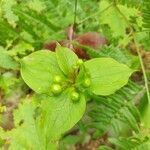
[143, 69]
[75, 13]
[97, 13]
[138, 52]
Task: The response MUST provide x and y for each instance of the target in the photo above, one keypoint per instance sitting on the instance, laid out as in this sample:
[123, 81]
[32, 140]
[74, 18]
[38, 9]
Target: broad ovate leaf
[66, 59]
[107, 75]
[38, 70]
[61, 113]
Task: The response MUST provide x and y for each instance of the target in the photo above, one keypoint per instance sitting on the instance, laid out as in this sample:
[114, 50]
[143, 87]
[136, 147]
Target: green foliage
[47, 127]
[7, 32]
[7, 82]
[26, 21]
[62, 110]
[28, 133]
[131, 3]
[35, 68]
[146, 15]
[7, 62]
[104, 148]
[112, 15]
[138, 143]
[110, 112]
[41, 121]
[119, 54]
[66, 59]
[107, 75]
[39, 69]
[7, 12]
[60, 114]
[26, 125]
[144, 109]
[21, 49]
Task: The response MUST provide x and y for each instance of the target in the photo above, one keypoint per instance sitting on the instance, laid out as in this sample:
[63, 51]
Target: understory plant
[63, 83]
[74, 75]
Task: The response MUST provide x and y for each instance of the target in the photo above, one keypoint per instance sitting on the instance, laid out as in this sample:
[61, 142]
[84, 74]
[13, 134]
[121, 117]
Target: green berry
[57, 79]
[86, 82]
[75, 96]
[80, 62]
[56, 89]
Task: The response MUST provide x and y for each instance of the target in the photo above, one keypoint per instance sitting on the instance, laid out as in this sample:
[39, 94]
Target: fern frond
[121, 55]
[6, 32]
[118, 108]
[132, 143]
[146, 15]
[131, 3]
[32, 26]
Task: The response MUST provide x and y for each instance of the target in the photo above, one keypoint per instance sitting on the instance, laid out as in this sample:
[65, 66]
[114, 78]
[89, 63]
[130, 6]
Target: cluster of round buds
[87, 81]
[56, 87]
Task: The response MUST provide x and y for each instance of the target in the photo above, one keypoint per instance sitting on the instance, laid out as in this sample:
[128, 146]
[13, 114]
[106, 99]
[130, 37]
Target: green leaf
[26, 134]
[121, 55]
[22, 48]
[144, 108]
[39, 132]
[2, 135]
[38, 70]
[7, 61]
[8, 13]
[107, 75]
[36, 5]
[60, 114]
[145, 116]
[114, 19]
[8, 82]
[104, 147]
[117, 111]
[66, 59]
[137, 142]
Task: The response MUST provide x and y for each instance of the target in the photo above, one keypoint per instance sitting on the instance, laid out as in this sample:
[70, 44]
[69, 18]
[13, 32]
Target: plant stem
[143, 69]
[91, 16]
[75, 13]
[138, 52]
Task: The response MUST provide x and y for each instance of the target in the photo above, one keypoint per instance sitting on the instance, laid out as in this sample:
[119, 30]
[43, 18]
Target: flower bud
[56, 89]
[57, 79]
[75, 96]
[86, 82]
